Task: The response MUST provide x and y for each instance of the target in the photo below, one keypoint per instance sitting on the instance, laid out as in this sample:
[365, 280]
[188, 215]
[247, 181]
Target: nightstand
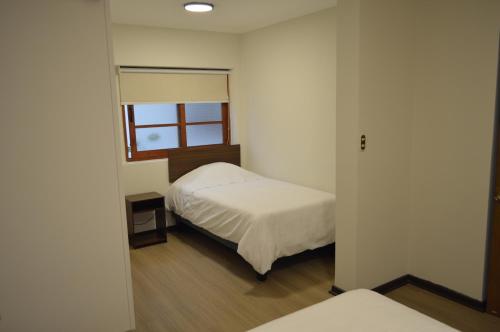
[146, 202]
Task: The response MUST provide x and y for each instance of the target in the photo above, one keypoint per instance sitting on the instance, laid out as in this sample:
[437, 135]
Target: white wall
[456, 61]
[375, 93]
[147, 46]
[386, 91]
[289, 72]
[63, 251]
[418, 78]
[160, 47]
[291, 81]
[347, 144]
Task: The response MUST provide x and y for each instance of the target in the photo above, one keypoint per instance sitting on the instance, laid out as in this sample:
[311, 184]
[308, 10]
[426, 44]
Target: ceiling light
[198, 7]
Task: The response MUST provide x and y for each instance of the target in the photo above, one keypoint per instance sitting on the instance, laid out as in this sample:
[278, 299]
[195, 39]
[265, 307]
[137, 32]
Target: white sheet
[267, 218]
[355, 311]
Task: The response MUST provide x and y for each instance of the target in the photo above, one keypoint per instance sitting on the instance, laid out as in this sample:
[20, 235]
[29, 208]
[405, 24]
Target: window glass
[148, 114]
[204, 134]
[155, 128]
[203, 112]
[157, 138]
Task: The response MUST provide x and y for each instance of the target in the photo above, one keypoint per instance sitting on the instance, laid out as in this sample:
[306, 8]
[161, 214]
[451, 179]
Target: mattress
[355, 311]
[267, 218]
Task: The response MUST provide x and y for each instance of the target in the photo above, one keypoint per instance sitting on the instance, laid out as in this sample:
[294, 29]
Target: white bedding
[355, 311]
[267, 218]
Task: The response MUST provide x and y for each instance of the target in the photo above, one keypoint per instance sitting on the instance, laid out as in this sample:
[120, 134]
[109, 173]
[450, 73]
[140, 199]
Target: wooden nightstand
[146, 202]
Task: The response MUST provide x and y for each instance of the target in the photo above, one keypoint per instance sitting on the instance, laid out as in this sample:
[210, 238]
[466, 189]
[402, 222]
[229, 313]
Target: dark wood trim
[141, 155]
[149, 154]
[184, 160]
[392, 285]
[336, 290]
[447, 293]
[158, 125]
[181, 124]
[131, 128]
[492, 270]
[125, 132]
[226, 127]
[181, 109]
[426, 285]
[201, 123]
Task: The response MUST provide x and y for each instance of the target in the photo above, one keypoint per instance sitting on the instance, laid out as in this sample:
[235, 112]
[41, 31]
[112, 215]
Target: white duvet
[268, 219]
[356, 311]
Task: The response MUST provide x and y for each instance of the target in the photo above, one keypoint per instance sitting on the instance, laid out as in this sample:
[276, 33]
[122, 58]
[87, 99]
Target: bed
[261, 218]
[356, 311]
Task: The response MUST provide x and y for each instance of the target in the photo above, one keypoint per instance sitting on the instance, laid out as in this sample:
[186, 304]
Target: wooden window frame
[181, 124]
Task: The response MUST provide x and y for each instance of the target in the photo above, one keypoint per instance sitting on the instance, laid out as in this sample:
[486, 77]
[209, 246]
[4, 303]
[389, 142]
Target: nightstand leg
[261, 277]
[161, 222]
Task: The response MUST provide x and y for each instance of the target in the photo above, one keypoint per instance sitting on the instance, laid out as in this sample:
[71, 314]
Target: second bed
[265, 218]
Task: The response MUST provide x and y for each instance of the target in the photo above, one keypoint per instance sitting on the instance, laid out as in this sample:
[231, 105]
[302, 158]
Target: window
[170, 108]
[152, 129]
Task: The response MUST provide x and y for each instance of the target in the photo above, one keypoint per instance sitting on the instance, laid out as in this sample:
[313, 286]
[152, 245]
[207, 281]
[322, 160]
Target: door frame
[493, 178]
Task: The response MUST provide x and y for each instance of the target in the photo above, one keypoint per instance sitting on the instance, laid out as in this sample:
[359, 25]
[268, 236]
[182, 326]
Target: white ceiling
[235, 16]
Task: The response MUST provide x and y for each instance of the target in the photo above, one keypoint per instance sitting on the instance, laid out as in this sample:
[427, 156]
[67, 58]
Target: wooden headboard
[184, 160]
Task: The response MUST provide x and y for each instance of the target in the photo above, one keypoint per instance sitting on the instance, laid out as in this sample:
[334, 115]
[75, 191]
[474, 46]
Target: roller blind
[160, 87]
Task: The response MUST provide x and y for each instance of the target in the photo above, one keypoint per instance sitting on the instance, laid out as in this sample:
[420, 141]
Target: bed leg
[261, 277]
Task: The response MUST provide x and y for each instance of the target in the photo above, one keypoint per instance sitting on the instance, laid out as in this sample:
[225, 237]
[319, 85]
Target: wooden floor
[446, 311]
[192, 283]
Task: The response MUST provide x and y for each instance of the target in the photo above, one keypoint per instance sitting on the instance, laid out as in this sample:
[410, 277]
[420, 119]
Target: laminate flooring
[192, 283]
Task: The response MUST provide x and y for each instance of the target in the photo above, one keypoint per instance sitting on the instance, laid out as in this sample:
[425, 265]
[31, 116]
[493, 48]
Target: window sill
[140, 162]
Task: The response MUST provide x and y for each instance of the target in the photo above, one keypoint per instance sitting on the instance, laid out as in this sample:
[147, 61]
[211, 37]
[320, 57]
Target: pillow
[214, 175]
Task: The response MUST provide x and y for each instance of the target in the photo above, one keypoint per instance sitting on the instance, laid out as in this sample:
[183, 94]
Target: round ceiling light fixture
[198, 7]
